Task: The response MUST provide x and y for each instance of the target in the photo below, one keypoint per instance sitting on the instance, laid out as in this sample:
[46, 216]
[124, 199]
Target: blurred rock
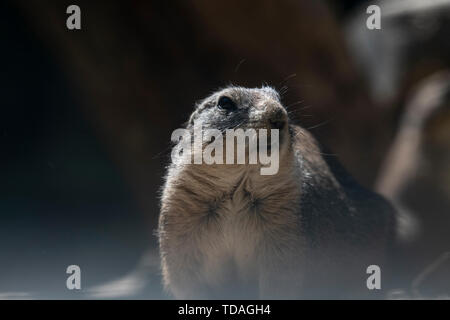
[416, 176]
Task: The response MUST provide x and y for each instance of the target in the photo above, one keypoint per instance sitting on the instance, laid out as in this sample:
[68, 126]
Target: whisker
[294, 104]
[287, 78]
[319, 125]
[239, 65]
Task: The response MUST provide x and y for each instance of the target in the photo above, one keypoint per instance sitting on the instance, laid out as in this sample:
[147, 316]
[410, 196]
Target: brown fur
[228, 232]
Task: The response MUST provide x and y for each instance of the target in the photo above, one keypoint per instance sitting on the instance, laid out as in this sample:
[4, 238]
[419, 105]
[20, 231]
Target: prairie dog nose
[276, 115]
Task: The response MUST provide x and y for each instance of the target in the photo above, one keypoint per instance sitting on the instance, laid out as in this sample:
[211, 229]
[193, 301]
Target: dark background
[86, 116]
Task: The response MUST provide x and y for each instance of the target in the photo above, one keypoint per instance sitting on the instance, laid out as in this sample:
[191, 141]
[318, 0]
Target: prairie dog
[227, 231]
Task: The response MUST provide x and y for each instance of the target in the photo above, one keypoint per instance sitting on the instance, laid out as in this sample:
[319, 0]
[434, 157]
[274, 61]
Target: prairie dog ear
[192, 117]
[199, 107]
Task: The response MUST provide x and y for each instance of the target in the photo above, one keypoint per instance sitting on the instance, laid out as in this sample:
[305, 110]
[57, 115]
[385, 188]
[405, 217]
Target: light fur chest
[240, 227]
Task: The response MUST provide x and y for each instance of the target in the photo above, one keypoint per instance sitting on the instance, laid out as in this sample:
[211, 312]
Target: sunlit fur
[226, 231]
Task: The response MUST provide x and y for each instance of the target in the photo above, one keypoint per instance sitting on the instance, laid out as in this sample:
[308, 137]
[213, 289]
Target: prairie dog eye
[226, 103]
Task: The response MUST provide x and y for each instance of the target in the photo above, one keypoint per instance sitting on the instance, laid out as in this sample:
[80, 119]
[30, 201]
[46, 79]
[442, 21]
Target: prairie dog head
[237, 126]
[241, 107]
